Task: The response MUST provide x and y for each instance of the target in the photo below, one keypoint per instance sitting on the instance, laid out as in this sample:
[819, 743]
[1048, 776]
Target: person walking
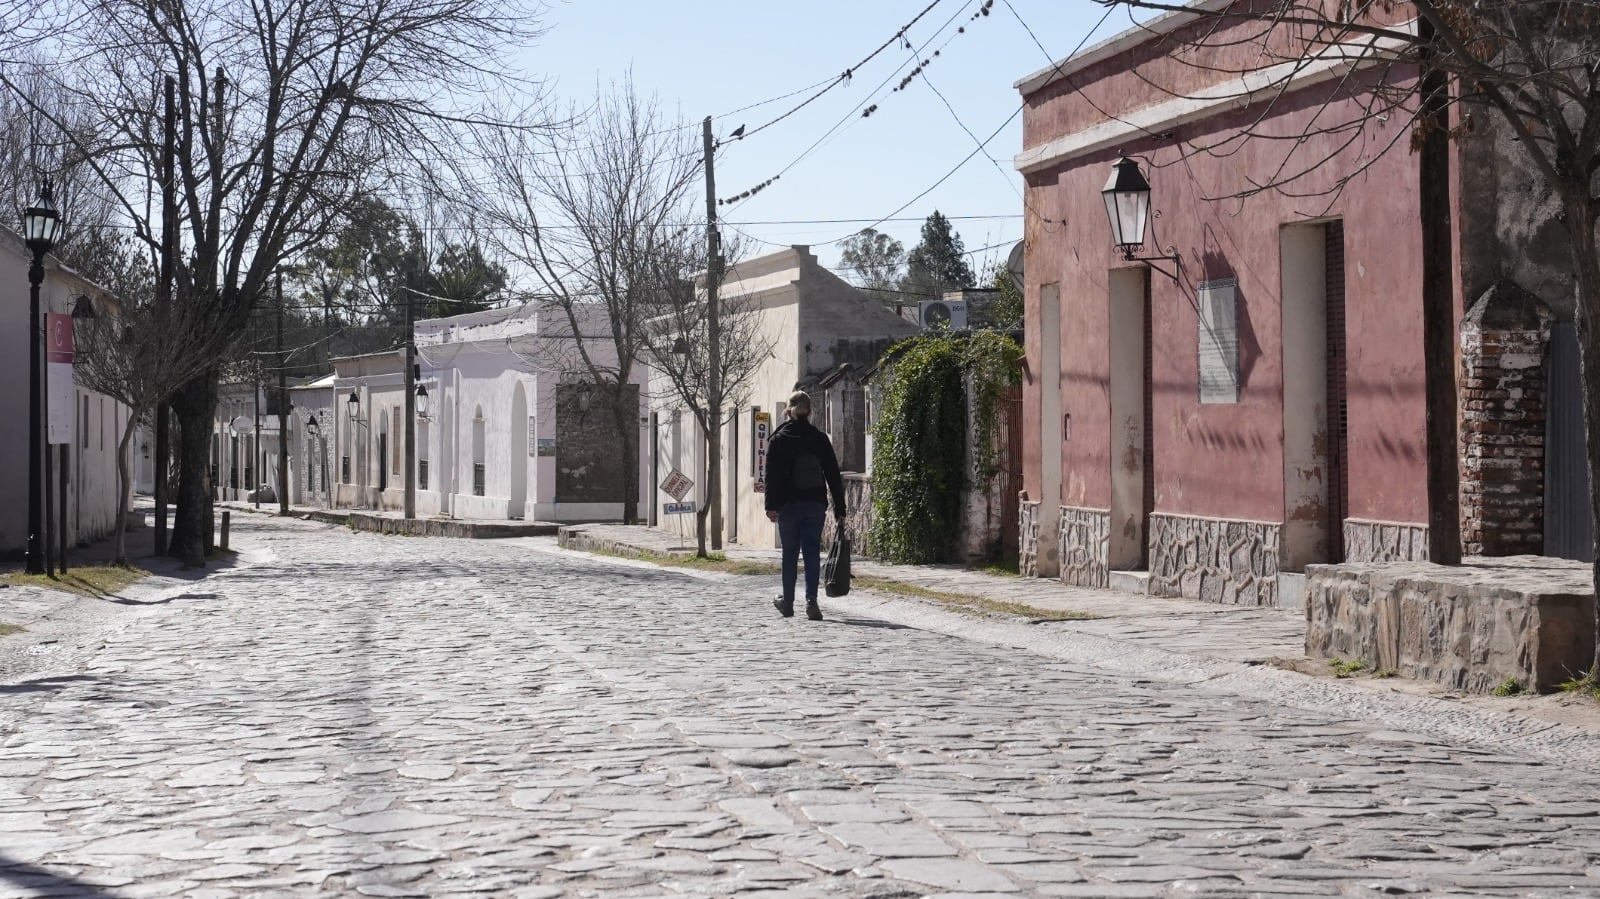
[801, 471]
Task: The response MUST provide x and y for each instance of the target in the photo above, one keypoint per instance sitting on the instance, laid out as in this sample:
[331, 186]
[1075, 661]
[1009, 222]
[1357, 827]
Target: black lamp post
[41, 225]
[1127, 198]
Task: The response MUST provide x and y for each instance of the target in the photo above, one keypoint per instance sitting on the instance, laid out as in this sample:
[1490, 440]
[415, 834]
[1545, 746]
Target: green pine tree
[939, 262]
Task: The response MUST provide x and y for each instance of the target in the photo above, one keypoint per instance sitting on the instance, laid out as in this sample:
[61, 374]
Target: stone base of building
[1385, 541]
[858, 520]
[1085, 541]
[1525, 618]
[1214, 559]
[1028, 538]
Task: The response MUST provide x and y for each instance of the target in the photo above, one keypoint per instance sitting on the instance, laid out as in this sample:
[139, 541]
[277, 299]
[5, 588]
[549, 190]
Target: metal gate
[1568, 528]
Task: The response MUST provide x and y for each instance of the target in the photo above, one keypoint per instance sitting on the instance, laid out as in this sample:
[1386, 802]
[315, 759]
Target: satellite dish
[1014, 263]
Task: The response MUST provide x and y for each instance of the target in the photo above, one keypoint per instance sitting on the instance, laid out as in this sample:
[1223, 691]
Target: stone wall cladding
[1472, 627]
[858, 521]
[1215, 559]
[1028, 538]
[1503, 392]
[1085, 542]
[1384, 541]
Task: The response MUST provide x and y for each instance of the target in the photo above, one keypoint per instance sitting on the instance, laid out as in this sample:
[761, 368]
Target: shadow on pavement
[44, 684]
[47, 883]
[871, 622]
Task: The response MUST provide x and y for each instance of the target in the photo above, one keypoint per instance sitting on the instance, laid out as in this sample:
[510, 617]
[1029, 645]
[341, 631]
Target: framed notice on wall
[533, 436]
[1219, 341]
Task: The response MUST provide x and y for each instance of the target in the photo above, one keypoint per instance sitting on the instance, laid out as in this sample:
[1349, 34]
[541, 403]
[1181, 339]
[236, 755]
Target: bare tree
[706, 384]
[1527, 66]
[286, 110]
[599, 217]
[137, 353]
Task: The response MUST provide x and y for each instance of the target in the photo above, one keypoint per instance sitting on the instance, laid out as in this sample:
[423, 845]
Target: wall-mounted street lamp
[41, 227]
[313, 427]
[1127, 197]
[353, 405]
[422, 401]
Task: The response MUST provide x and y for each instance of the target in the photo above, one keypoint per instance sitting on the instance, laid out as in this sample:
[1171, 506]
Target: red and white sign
[61, 396]
[676, 485]
[762, 429]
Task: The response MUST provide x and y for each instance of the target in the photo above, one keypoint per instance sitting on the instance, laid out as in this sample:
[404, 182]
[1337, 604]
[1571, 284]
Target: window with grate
[422, 474]
[344, 469]
[1338, 396]
[477, 478]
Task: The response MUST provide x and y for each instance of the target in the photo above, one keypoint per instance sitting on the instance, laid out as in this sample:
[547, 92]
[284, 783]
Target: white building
[814, 322]
[313, 407]
[511, 431]
[90, 423]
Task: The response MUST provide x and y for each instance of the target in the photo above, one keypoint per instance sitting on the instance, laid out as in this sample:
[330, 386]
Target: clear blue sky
[712, 57]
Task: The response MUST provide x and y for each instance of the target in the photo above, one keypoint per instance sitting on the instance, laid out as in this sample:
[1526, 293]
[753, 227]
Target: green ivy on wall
[920, 461]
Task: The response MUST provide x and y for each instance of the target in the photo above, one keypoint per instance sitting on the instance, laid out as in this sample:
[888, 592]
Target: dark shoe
[785, 607]
[813, 611]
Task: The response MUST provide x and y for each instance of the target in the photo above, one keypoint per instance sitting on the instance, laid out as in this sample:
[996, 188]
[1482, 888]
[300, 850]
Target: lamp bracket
[1150, 262]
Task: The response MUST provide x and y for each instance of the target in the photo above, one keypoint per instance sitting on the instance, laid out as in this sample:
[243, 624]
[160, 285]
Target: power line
[996, 133]
[845, 76]
[849, 117]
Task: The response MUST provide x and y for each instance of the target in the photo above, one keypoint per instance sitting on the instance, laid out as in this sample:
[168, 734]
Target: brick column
[1503, 340]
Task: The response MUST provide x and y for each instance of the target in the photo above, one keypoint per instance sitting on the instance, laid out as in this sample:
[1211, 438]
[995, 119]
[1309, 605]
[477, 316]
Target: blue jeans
[800, 531]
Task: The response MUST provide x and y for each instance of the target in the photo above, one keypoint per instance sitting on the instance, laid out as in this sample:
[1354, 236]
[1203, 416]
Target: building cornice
[1166, 23]
[1235, 93]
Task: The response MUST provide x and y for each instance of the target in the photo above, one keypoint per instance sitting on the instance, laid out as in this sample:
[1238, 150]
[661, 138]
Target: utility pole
[163, 296]
[283, 407]
[713, 347]
[255, 437]
[411, 412]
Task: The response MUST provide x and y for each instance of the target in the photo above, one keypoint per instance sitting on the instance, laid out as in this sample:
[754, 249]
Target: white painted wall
[1303, 252]
[92, 469]
[473, 367]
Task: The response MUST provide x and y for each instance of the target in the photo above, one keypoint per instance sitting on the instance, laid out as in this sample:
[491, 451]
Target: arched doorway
[517, 448]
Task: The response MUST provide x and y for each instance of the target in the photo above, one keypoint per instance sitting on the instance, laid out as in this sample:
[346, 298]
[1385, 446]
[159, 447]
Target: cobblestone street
[388, 716]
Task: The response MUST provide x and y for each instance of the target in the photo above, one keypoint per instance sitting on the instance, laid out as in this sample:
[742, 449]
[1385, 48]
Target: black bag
[836, 570]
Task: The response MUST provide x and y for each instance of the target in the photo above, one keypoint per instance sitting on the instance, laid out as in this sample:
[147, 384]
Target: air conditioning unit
[950, 314]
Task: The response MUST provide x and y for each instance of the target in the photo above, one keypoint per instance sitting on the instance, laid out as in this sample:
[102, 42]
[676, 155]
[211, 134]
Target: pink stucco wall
[1227, 460]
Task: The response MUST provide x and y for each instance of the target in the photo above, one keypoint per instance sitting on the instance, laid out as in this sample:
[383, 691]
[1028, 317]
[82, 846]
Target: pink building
[1211, 434]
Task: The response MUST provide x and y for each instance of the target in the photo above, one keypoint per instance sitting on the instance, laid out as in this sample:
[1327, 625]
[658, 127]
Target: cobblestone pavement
[361, 715]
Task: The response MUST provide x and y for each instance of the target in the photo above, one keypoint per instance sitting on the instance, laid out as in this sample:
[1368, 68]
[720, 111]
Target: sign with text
[762, 429]
[59, 389]
[678, 508]
[676, 485]
[533, 436]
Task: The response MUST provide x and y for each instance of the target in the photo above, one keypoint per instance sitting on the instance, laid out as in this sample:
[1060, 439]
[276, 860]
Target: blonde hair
[800, 404]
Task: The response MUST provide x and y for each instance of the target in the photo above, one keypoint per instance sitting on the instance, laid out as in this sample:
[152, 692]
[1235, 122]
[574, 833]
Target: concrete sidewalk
[1232, 633]
[390, 522]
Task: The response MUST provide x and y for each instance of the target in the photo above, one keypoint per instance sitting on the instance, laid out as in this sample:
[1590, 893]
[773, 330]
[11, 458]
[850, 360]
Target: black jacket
[793, 439]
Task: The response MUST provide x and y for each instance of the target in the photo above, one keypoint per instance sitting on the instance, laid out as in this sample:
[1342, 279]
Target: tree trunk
[714, 473]
[1586, 315]
[630, 453]
[194, 403]
[124, 488]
